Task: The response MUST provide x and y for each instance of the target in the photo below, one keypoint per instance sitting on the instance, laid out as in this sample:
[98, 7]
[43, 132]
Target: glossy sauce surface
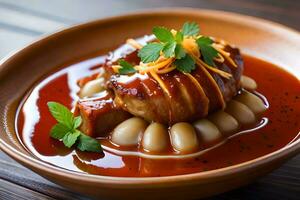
[280, 88]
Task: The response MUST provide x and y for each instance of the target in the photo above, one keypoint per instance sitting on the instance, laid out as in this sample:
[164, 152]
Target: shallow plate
[19, 72]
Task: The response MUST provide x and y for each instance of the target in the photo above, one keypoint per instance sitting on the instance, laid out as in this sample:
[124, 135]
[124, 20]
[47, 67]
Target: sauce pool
[34, 122]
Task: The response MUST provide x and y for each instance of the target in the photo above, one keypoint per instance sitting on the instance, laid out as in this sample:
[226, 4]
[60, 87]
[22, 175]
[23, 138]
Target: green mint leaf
[163, 34]
[59, 131]
[150, 52]
[190, 29]
[126, 67]
[87, 143]
[77, 122]
[66, 131]
[179, 37]
[207, 51]
[179, 51]
[70, 138]
[169, 49]
[61, 113]
[185, 64]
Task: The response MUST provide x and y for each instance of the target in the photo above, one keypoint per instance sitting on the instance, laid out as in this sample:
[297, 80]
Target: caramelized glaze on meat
[190, 96]
[142, 96]
[99, 114]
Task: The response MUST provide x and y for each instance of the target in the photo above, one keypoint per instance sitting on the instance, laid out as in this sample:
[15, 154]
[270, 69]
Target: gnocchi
[129, 132]
[183, 137]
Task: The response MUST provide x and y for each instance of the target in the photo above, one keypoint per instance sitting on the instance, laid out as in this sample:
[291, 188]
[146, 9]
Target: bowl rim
[42, 166]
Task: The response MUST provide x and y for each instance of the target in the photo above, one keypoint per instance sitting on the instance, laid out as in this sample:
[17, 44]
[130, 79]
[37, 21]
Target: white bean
[225, 122]
[129, 132]
[207, 130]
[183, 137]
[252, 101]
[248, 83]
[240, 112]
[155, 138]
[92, 87]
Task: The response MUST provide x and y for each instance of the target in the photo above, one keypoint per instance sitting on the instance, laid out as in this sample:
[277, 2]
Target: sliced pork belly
[99, 114]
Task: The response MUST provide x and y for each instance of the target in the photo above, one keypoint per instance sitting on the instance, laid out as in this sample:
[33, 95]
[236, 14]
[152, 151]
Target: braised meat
[190, 96]
[99, 114]
[184, 97]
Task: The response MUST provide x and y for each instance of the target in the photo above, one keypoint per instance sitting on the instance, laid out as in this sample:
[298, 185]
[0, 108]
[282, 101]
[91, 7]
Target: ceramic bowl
[20, 71]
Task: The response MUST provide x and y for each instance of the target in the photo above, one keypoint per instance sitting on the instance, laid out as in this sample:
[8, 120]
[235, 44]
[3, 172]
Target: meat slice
[99, 114]
[191, 96]
[143, 97]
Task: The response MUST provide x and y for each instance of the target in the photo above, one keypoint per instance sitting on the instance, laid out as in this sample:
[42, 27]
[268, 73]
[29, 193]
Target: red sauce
[280, 88]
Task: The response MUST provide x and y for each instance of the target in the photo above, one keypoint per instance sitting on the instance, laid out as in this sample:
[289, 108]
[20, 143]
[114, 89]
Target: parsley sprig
[126, 67]
[190, 29]
[207, 51]
[67, 131]
[171, 46]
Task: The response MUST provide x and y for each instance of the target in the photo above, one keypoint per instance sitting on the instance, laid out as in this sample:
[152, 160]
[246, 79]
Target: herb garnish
[170, 45]
[180, 50]
[126, 67]
[207, 51]
[150, 52]
[67, 131]
[190, 29]
[185, 64]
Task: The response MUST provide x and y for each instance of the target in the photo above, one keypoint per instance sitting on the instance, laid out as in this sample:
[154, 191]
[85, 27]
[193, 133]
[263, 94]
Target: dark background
[22, 21]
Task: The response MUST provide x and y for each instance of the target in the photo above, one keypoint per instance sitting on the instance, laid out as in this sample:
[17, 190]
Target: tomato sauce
[34, 122]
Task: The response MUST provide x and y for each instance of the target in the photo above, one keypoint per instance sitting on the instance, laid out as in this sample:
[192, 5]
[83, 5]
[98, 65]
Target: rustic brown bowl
[20, 71]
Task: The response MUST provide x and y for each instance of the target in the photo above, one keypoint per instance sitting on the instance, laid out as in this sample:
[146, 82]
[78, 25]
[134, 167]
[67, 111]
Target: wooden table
[23, 21]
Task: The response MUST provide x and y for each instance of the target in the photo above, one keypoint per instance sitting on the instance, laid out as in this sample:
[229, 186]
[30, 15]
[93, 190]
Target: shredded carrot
[160, 82]
[157, 66]
[215, 85]
[165, 65]
[220, 58]
[217, 71]
[200, 89]
[191, 46]
[166, 70]
[116, 68]
[225, 54]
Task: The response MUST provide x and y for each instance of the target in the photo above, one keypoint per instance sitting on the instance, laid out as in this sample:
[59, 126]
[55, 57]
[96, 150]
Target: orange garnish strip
[160, 82]
[164, 65]
[225, 54]
[200, 89]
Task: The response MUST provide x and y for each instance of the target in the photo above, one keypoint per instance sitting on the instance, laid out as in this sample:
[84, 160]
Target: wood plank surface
[283, 11]
[22, 21]
[10, 191]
